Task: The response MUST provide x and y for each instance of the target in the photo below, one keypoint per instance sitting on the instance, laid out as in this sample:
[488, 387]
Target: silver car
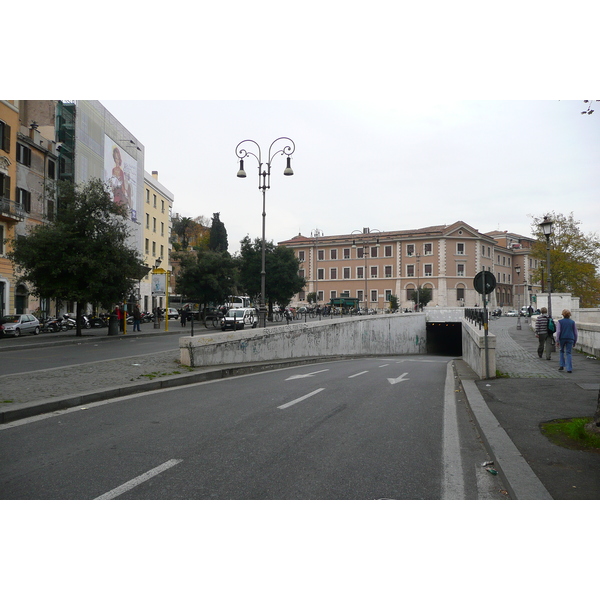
[15, 325]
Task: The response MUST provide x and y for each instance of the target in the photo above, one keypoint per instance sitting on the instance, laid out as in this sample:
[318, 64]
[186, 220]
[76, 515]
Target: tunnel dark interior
[444, 339]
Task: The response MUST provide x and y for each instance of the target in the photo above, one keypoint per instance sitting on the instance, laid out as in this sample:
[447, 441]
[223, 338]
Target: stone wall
[474, 350]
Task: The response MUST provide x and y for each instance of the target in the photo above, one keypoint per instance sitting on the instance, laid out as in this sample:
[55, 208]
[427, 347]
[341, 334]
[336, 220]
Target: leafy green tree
[282, 280]
[394, 303]
[218, 235]
[574, 258]
[425, 296]
[83, 255]
[311, 297]
[206, 277]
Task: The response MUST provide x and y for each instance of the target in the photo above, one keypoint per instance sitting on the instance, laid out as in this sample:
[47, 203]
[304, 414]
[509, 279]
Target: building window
[153, 248]
[147, 221]
[388, 270]
[346, 272]
[333, 273]
[154, 200]
[346, 252]
[410, 270]
[320, 273]
[154, 224]
[333, 295]
[51, 169]
[373, 295]
[428, 249]
[321, 255]
[410, 249]
[147, 246]
[409, 293]
[147, 196]
[301, 255]
[360, 272]
[333, 254]
[460, 270]
[387, 251]
[360, 295]
[374, 272]
[460, 294]
[5, 136]
[162, 205]
[360, 252]
[301, 273]
[460, 248]
[162, 229]
[1, 243]
[374, 251]
[320, 296]
[4, 186]
[428, 270]
[24, 155]
[24, 199]
[388, 295]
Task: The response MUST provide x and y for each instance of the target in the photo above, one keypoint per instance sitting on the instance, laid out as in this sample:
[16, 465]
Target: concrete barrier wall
[473, 349]
[394, 334]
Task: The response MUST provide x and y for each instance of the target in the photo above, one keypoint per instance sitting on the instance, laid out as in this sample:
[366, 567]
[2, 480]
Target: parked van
[238, 318]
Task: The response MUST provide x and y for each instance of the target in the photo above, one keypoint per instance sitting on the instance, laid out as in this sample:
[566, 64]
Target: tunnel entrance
[444, 339]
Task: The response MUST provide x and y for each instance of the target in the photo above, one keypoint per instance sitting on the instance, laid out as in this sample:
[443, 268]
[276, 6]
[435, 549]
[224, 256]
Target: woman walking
[566, 338]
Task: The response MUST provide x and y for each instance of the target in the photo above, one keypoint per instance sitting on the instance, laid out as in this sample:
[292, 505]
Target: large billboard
[120, 172]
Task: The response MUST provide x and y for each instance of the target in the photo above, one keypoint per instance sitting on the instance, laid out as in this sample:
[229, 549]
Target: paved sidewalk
[536, 392]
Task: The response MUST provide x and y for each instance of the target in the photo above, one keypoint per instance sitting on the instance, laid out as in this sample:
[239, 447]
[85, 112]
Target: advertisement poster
[158, 285]
[120, 171]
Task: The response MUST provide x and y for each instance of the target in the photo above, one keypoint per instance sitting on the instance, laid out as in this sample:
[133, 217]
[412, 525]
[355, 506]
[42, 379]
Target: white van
[238, 318]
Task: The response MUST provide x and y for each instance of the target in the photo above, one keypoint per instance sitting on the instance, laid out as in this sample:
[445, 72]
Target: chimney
[155, 175]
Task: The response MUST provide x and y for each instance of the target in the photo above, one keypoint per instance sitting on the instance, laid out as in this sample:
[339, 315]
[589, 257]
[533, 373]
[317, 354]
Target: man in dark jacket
[541, 331]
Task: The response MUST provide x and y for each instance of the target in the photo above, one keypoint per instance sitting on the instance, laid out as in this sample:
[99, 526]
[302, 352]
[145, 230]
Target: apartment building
[373, 265]
[158, 207]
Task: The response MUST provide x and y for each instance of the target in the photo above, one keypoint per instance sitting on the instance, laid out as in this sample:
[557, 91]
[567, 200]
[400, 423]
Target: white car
[173, 313]
[237, 318]
[15, 325]
[512, 313]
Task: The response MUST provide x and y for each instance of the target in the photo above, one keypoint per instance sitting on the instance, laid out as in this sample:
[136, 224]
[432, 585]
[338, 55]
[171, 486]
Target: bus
[238, 302]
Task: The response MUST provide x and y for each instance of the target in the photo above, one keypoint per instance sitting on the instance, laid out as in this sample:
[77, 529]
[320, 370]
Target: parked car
[512, 313]
[237, 318]
[15, 325]
[173, 313]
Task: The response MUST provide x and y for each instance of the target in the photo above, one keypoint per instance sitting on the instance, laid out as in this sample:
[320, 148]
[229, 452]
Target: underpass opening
[444, 339]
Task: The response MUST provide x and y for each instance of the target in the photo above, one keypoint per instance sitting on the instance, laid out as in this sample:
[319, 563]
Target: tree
[394, 303]
[218, 235]
[425, 295]
[190, 232]
[281, 264]
[82, 255]
[206, 277]
[574, 258]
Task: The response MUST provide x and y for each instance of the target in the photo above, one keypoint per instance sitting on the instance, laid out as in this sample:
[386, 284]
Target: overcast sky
[386, 165]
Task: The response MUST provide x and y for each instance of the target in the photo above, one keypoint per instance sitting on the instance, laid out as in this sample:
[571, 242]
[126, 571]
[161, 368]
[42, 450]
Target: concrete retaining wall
[394, 334]
[473, 349]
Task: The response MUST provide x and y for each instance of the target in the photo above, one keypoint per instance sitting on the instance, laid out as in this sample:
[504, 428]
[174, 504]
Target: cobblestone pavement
[516, 351]
[89, 377]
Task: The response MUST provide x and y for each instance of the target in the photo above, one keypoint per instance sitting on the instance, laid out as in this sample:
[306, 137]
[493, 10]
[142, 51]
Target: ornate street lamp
[546, 226]
[366, 246]
[264, 184]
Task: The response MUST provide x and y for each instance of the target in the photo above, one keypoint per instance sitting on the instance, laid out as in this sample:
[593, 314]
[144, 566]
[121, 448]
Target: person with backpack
[566, 338]
[543, 333]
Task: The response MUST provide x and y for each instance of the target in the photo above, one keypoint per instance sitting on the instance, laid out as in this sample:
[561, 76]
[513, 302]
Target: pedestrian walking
[566, 338]
[183, 316]
[137, 318]
[543, 334]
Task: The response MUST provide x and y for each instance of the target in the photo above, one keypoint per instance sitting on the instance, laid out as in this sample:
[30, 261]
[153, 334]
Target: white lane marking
[306, 374]
[386, 365]
[398, 379]
[300, 399]
[453, 486]
[357, 374]
[137, 480]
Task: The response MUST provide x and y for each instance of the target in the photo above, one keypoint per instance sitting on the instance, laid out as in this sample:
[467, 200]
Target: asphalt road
[393, 428]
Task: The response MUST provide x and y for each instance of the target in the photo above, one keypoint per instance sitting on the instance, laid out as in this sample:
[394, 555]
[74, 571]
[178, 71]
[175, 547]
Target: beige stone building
[373, 265]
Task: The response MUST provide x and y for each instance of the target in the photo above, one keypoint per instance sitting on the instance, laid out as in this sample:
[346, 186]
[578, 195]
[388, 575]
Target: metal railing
[11, 209]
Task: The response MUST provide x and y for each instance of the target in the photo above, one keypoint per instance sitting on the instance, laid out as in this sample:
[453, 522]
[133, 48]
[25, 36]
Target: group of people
[562, 333]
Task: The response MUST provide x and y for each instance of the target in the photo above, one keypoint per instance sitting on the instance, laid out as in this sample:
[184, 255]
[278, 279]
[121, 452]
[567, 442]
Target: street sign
[490, 282]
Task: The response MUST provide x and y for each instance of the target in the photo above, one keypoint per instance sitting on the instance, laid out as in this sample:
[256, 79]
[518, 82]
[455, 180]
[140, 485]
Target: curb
[521, 481]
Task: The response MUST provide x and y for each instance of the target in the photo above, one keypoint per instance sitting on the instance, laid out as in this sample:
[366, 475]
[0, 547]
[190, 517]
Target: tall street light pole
[546, 226]
[518, 272]
[264, 183]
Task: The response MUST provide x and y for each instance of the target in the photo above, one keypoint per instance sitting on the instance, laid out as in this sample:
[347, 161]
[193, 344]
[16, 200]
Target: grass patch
[501, 375]
[572, 433]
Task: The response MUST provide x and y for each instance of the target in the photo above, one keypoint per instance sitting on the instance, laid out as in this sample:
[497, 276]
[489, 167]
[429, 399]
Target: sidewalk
[534, 393]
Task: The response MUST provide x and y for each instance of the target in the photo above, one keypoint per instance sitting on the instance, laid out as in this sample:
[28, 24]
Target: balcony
[11, 211]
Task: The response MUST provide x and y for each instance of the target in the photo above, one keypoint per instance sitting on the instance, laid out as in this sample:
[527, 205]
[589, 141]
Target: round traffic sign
[488, 278]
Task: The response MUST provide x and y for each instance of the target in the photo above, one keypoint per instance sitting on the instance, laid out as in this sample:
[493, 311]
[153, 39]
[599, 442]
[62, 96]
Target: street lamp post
[518, 272]
[264, 184]
[365, 248]
[418, 257]
[546, 226]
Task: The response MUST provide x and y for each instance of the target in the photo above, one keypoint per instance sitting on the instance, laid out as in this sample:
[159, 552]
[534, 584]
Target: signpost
[485, 283]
